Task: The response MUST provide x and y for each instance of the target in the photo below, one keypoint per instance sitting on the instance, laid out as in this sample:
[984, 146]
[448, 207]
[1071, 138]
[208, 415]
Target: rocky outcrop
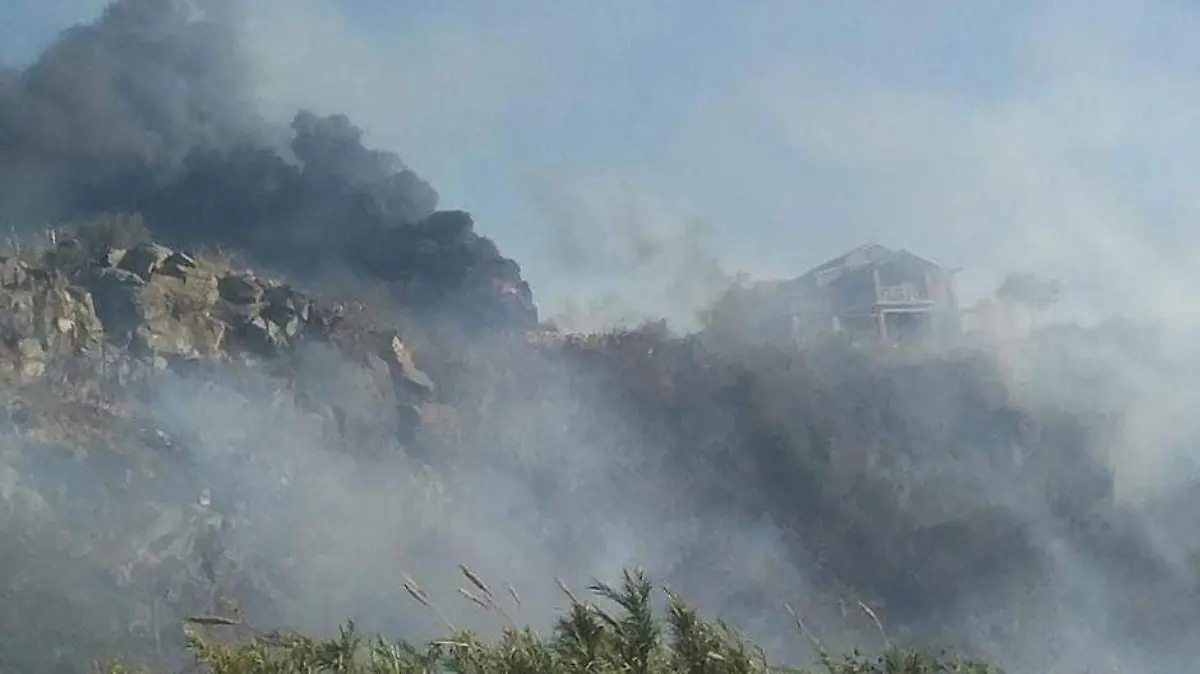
[130, 313]
[161, 302]
[42, 315]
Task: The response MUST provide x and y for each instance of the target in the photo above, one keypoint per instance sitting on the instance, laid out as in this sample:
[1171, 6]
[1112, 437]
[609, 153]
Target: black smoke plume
[150, 110]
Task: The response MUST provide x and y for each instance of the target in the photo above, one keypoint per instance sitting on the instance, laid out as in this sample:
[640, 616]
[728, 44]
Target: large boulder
[144, 259]
[162, 314]
[176, 316]
[288, 309]
[259, 335]
[241, 288]
[114, 292]
[66, 318]
[43, 317]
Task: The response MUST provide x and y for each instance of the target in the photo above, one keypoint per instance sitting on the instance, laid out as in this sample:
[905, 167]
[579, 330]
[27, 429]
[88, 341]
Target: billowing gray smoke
[150, 110]
[989, 492]
[141, 87]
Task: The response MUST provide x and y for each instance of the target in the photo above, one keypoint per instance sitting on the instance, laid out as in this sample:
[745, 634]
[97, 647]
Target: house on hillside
[871, 294]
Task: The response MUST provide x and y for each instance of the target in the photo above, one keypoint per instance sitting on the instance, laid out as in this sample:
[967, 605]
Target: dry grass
[617, 633]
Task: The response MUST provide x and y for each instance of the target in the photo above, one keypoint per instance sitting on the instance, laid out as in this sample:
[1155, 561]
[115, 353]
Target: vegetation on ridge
[587, 639]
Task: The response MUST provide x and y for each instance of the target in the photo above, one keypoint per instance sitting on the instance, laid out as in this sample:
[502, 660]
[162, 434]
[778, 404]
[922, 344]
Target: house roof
[819, 276]
[865, 255]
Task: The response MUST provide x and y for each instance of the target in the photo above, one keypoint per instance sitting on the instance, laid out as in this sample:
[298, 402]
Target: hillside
[250, 365]
[183, 432]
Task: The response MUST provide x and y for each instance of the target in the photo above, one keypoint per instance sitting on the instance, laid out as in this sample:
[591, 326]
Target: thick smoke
[1027, 500]
[150, 109]
[645, 260]
[141, 87]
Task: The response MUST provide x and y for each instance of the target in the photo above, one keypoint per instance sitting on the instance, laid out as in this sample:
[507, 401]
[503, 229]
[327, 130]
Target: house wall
[932, 284]
[912, 302]
[854, 292]
[904, 298]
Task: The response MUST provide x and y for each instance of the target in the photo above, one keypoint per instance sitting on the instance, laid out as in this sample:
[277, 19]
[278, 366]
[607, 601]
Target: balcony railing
[905, 292]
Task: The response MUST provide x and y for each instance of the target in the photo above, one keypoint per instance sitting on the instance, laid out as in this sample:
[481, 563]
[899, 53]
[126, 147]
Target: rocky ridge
[92, 318]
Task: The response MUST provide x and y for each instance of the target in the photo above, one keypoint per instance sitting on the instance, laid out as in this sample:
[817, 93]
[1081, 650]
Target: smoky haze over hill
[1026, 500]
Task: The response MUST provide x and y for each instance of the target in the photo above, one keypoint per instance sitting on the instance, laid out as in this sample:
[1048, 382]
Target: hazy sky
[620, 146]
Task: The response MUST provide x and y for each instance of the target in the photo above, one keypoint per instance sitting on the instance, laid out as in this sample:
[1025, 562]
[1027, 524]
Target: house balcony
[904, 294]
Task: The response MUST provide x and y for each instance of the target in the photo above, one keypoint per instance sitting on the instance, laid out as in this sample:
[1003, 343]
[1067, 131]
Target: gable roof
[865, 255]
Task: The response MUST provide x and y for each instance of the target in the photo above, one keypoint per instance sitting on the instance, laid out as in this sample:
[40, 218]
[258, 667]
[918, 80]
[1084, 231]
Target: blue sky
[631, 154]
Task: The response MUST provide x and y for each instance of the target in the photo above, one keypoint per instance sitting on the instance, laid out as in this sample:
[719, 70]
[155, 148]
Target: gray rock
[114, 292]
[178, 264]
[13, 273]
[67, 321]
[260, 336]
[115, 277]
[404, 371]
[69, 256]
[110, 257]
[59, 318]
[18, 318]
[240, 289]
[144, 259]
[191, 336]
[166, 315]
[31, 359]
[292, 327]
[325, 317]
[286, 308]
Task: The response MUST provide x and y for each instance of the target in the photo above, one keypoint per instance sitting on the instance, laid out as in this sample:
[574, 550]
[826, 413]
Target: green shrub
[588, 639]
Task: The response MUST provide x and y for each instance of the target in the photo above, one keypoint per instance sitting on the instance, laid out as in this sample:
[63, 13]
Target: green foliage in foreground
[589, 639]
